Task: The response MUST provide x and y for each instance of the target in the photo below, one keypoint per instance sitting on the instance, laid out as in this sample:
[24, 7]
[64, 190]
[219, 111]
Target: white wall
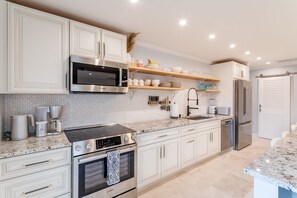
[88, 109]
[271, 71]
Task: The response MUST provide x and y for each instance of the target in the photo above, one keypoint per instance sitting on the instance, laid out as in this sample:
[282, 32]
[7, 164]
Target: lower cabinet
[51, 183]
[188, 150]
[208, 143]
[158, 160]
[44, 174]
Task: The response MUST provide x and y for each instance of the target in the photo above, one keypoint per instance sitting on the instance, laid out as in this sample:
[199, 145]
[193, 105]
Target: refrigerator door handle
[260, 107]
[244, 101]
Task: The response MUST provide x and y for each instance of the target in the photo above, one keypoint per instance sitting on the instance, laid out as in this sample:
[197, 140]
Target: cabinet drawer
[158, 136]
[209, 125]
[187, 130]
[48, 184]
[27, 164]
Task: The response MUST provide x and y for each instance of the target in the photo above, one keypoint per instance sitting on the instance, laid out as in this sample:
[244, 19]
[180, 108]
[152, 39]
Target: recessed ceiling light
[212, 36]
[133, 1]
[247, 53]
[182, 22]
[259, 58]
[268, 63]
[232, 45]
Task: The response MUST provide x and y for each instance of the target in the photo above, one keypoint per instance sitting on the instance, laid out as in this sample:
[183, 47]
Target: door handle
[99, 48]
[260, 107]
[103, 49]
[161, 152]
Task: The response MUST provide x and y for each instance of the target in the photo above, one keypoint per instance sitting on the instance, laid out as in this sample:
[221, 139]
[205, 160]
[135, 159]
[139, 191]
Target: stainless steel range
[90, 146]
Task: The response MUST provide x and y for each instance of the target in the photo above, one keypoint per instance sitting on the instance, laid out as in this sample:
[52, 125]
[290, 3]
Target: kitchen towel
[113, 167]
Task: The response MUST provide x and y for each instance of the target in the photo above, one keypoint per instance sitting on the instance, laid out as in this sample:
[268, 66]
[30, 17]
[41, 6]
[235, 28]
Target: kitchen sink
[198, 117]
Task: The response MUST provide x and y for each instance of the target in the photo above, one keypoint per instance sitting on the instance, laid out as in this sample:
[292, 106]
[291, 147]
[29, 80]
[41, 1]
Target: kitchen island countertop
[32, 145]
[278, 166]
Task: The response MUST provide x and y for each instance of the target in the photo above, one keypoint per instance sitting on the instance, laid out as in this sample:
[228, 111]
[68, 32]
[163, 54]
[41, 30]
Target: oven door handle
[101, 156]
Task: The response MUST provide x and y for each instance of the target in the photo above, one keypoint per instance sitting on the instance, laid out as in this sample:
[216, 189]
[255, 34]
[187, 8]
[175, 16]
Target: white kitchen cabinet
[48, 184]
[240, 71]
[188, 150]
[208, 143]
[85, 40]
[202, 145]
[93, 42]
[41, 174]
[171, 157]
[158, 160]
[3, 46]
[215, 141]
[114, 47]
[38, 51]
[149, 164]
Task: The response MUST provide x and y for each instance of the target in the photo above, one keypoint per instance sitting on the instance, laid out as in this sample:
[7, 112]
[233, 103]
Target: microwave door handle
[120, 77]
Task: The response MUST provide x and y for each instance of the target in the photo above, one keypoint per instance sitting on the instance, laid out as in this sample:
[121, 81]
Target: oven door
[89, 174]
[87, 75]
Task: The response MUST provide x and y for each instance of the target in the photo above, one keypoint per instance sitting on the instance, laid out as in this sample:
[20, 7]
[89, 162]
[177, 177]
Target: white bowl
[153, 66]
[147, 82]
[176, 69]
[155, 83]
[185, 71]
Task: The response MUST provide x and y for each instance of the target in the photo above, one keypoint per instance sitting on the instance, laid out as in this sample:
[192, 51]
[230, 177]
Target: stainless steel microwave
[95, 76]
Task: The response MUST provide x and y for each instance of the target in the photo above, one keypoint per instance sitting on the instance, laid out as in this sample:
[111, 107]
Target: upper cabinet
[85, 40]
[3, 46]
[241, 71]
[93, 42]
[38, 51]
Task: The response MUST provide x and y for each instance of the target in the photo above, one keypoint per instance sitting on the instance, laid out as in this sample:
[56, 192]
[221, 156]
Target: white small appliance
[174, 110]
[212, 109]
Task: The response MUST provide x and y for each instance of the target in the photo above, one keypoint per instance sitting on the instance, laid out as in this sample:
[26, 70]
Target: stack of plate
[165, 84]
[176, 84]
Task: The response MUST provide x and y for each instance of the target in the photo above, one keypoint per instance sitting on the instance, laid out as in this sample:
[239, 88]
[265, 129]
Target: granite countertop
[32, 145]
[278, 166]
[156, 125]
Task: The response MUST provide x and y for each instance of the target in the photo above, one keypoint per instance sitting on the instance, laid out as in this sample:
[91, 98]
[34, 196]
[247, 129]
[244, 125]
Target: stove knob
[126, 139]
[88, 146]
[78, 147]
[133, 137]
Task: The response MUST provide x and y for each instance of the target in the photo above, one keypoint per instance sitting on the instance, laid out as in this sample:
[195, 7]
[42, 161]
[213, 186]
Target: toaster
[223, 110]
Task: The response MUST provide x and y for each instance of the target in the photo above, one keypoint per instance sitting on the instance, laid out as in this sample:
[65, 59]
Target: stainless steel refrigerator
[243, 114]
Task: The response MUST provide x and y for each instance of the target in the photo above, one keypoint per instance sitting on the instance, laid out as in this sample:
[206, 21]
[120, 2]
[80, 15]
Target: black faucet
[197, 101]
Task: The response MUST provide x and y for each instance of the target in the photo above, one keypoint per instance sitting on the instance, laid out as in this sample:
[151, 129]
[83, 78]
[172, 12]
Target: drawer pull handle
[36, 163]
[32, 191]
[190, 141]
[162, 136]
[190, 130]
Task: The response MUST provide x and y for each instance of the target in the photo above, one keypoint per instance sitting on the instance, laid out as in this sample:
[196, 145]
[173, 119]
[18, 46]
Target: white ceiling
[267, 28]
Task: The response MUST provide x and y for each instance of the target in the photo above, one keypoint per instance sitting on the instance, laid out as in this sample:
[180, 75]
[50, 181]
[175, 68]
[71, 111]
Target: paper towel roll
[174, 110]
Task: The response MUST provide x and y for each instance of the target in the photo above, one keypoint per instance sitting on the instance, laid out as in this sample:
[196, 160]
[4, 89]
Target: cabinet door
[114, 47]
[149, 165]
[215, 141]
[38, 51]
[202, 145]
[171, 156]
[188, 150]
[237, 71]
[246, 73]
[46, 184]
[84, 40]
[3, 46]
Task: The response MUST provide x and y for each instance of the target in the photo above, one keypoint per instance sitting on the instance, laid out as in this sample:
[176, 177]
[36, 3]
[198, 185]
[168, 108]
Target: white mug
[141, 82]
[130, 81]
[135, 82]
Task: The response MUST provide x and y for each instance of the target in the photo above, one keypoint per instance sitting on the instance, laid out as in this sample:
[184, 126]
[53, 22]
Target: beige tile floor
[222, 177]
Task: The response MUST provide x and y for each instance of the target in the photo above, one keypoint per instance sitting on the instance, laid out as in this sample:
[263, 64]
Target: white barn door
[274, 106]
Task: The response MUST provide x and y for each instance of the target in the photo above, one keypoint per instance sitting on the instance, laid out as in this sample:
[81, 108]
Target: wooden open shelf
[167, 73]
[209, 90]
[155, 88]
